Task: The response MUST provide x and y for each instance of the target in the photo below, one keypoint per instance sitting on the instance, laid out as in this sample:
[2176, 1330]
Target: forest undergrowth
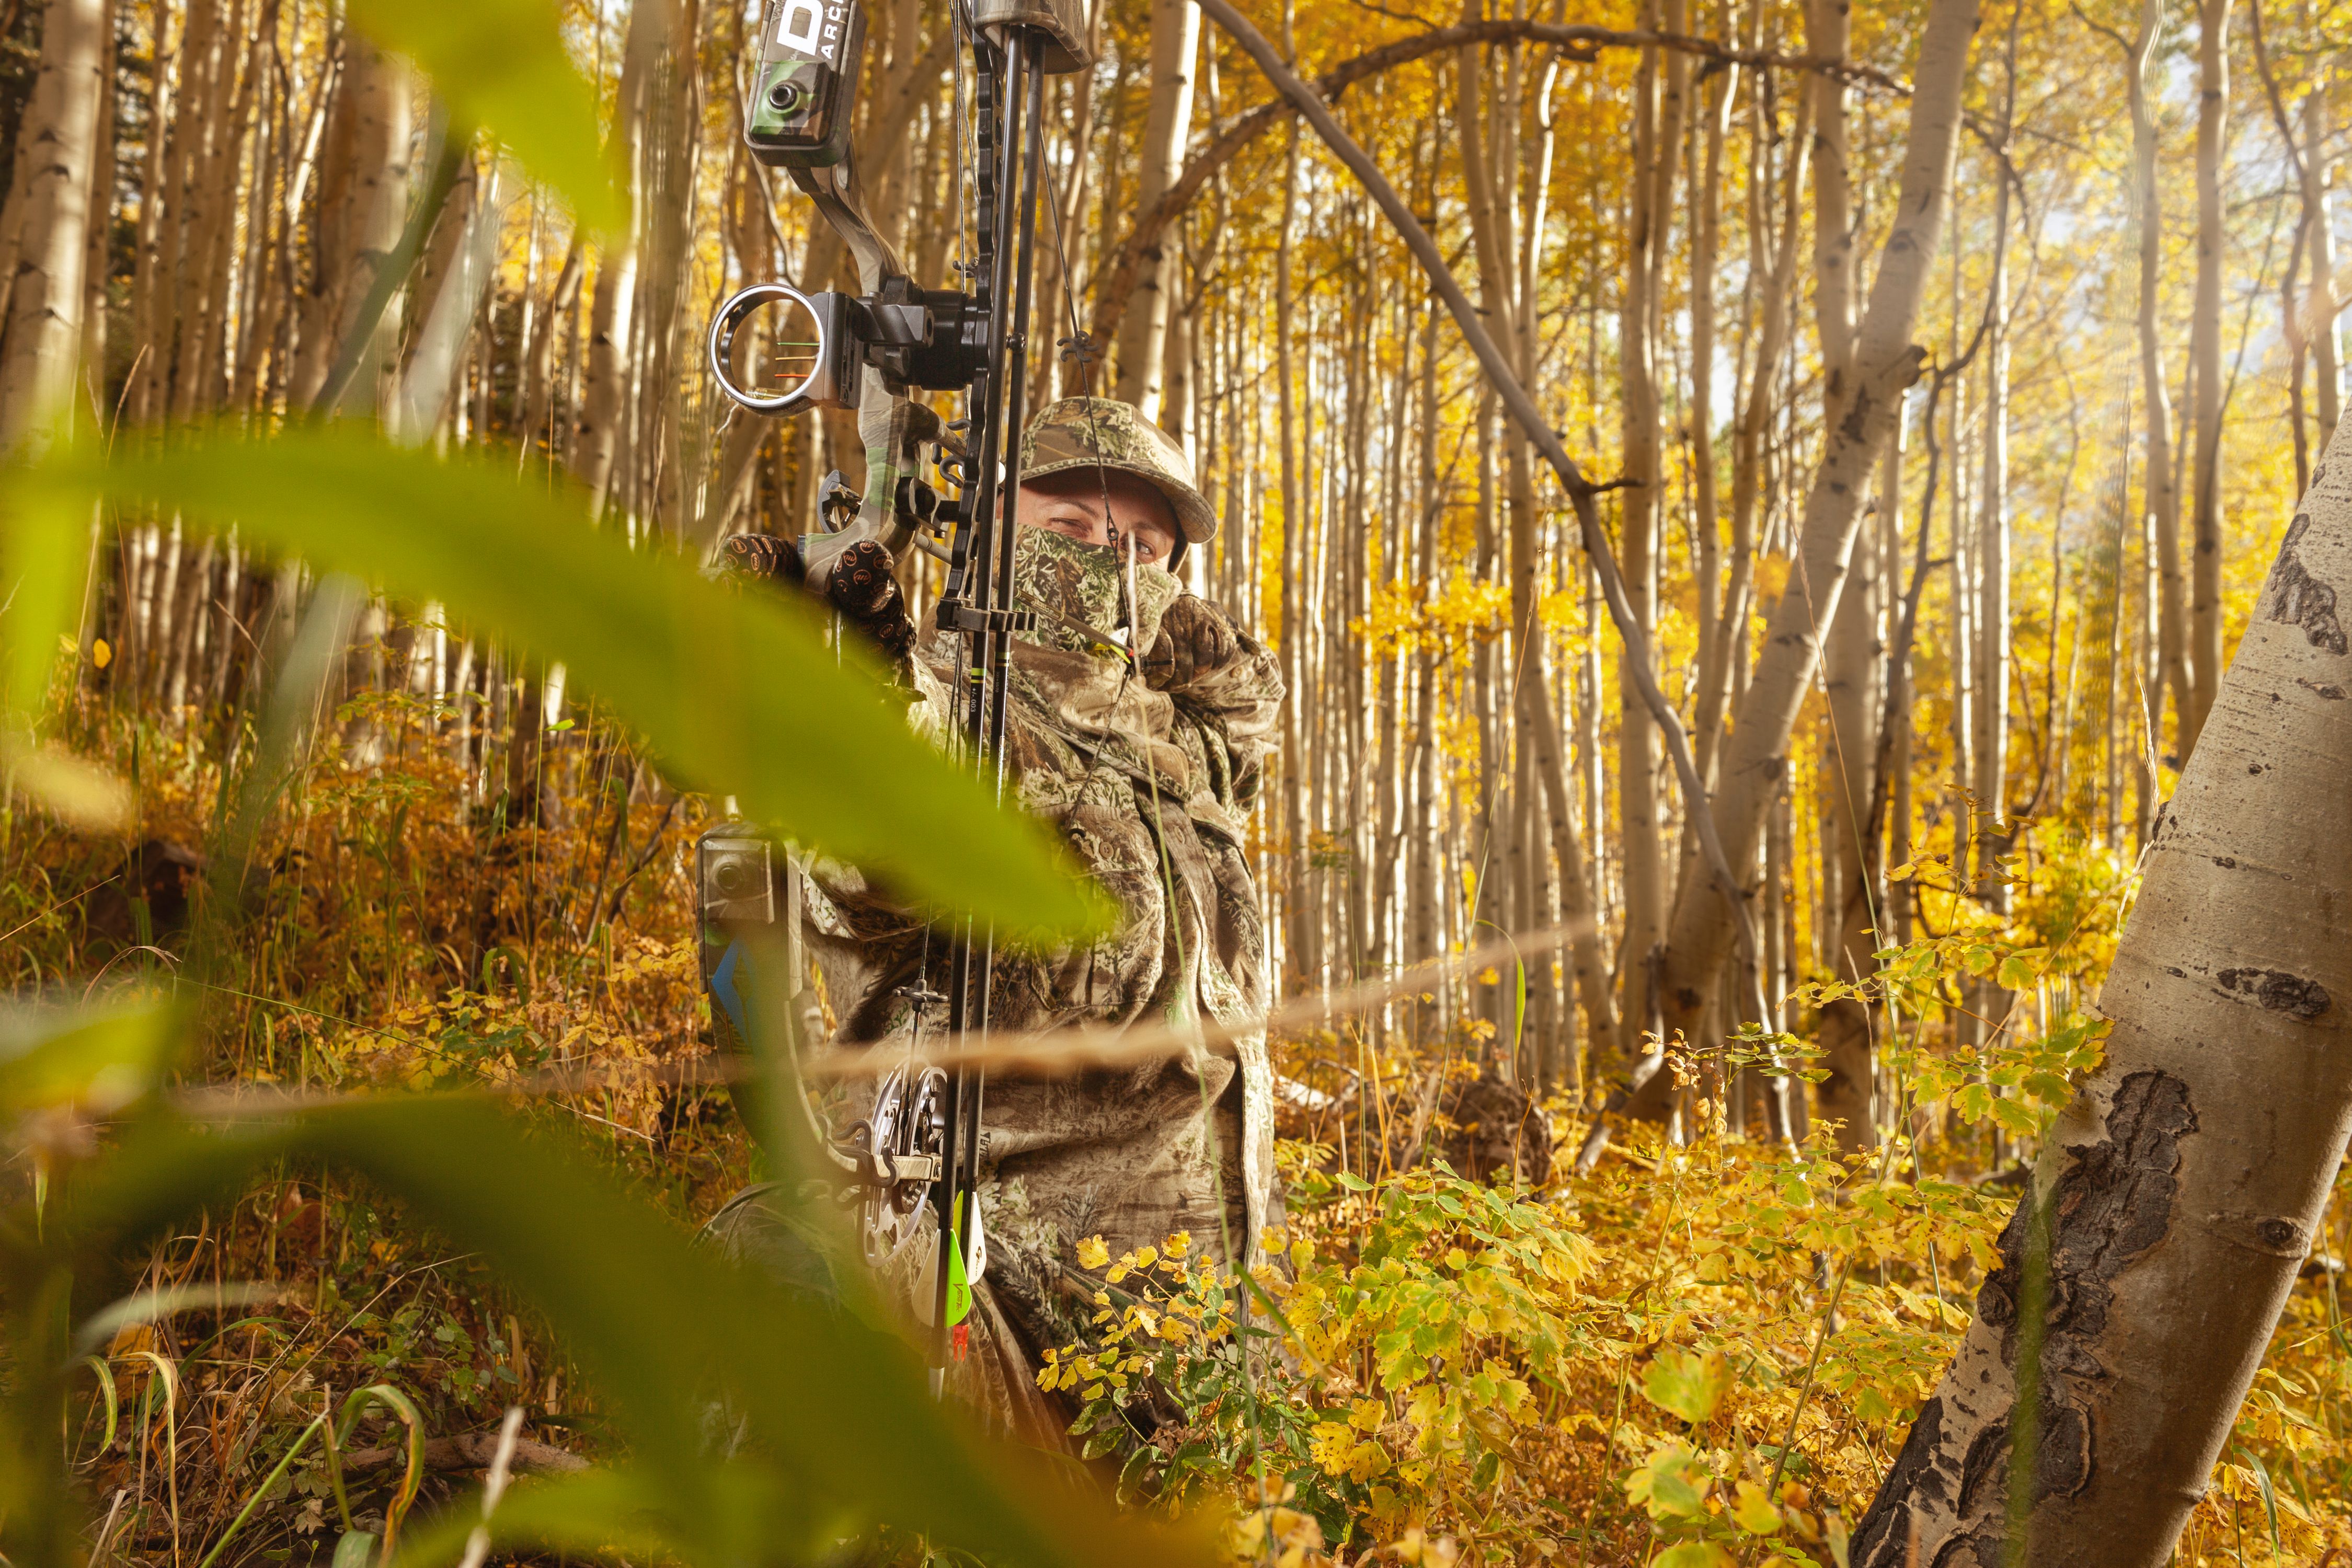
[1694, 1355]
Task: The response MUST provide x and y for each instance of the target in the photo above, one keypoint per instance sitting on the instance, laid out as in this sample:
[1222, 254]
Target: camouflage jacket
[1150, 777]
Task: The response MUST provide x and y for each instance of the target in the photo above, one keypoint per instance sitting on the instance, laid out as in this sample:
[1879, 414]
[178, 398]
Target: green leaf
[2270, 1495]
[2014, 1117]
[667, 1329]
[617, 1510]
[44, 557]
[1695, 1554]
[1686, 1383]
[1672, 1484]
[501, 65]
[1753, 1512]
[737, 693]
[103, 1061]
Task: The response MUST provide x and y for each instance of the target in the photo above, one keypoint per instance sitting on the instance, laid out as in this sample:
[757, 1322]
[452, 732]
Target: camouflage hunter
[1149, 775]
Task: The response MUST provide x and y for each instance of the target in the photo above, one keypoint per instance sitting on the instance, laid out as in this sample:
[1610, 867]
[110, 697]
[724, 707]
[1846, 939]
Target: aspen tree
[365, 201]
[2160, 503]
[1989, 706]
[58, 136]
[1860, 421]
[2320, 232]
[1657, 141]
[1143, 328]
[1299, 930]
[2176, 1196]
[2205, 369]
[604, 393]
[1850, 672]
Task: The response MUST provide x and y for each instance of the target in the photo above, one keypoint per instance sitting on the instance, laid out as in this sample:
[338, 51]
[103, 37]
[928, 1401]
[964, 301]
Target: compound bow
[919, 1145]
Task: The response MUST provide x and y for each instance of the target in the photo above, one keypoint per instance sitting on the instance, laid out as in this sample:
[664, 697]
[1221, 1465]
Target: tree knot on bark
[2276, 991]
[2295, 598]
[2112, 1205]
[1855, 426]
[2273, 1235]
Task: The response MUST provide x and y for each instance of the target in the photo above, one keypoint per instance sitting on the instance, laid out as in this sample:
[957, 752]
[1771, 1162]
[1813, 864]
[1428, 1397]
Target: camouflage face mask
[1085, 586]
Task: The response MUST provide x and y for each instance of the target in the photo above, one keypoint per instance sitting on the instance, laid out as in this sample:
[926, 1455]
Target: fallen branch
[471, 1451]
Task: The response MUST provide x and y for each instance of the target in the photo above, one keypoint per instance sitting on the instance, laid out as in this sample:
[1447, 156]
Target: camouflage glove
[761, 558]
[865, 590]
[1195, 639]
[862, 587]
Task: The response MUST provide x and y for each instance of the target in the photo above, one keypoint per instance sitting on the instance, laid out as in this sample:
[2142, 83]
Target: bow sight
[919, 1145]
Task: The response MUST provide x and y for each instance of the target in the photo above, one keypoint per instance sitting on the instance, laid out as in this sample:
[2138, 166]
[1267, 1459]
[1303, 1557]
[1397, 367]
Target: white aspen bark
[2182, 1188]
[1851, 659]
[1177, 393]
[183, 190]
[1989, 697]
[604, 387]
[1299, 924]
[1706, 245]
[2205, 364]
[1715, 682]
[1056, 294]
[428, 384]
[99, 217]
[1894, 738]
[539, 359]
[364, 203]
[59, 134]
[2160, 501]
[1639, 764]
[142, 401]
[1168, 121]
[1507, 851]
[1853, 674]
[1857, 425]
[2318, 175]
[1828, 34]
[281, 295]
[204, 303]
[667, 160]
[1421, 871]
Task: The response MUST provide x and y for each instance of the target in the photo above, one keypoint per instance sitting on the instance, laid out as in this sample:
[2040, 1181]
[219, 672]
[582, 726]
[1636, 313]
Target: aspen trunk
[1851, 659]
[2320, 236]
[2161, 494]
[2181, 1190]
[58, 135]
[1829, 33]
[1748, 454]
[364, 202]
[1656, 140]
[604, 387]
[1859, 424]
[2205, 366]
[1852, 664]
[1706, 245]
[1168, 121]
[1989, 708]
[1299, 926]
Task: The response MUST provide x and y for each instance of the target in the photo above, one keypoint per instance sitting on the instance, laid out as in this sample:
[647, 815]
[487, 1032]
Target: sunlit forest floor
[1696, 1354]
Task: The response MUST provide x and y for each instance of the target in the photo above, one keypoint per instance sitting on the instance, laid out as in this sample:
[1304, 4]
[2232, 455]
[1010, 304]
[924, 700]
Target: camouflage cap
[1081, 431]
